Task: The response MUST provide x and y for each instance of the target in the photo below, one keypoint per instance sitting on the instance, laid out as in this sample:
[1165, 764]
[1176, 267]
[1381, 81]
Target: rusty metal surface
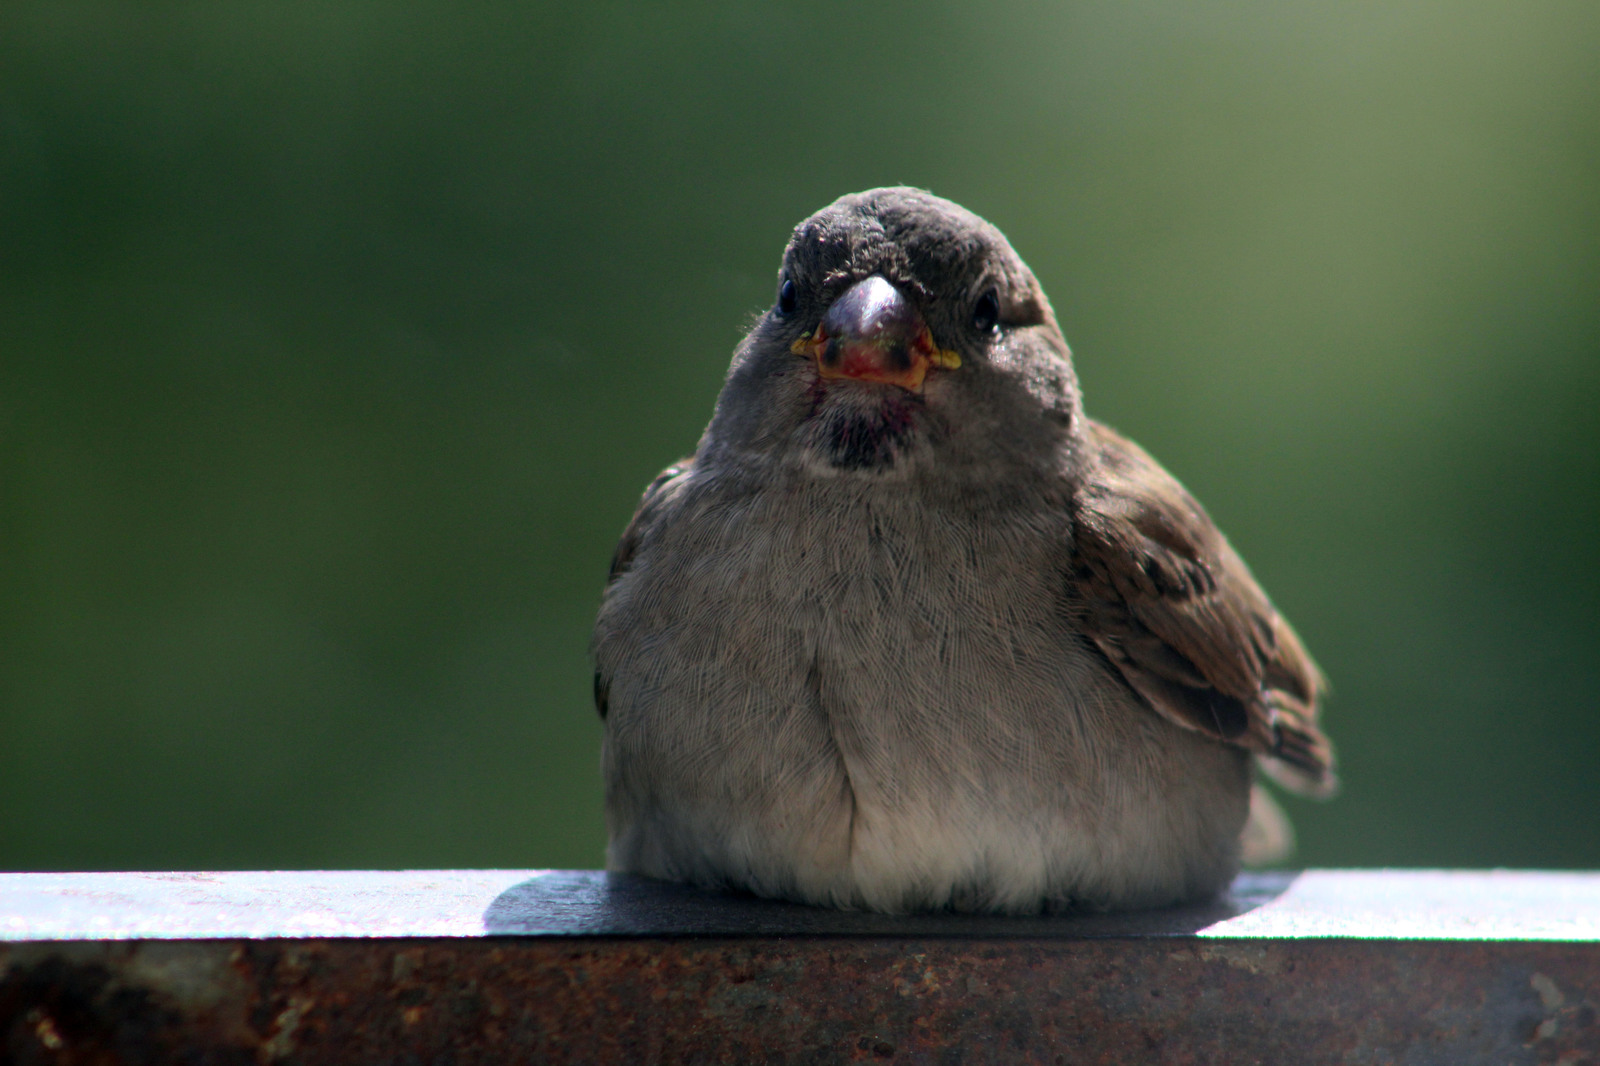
[1317, 903]
[810, 999]
[447, 967]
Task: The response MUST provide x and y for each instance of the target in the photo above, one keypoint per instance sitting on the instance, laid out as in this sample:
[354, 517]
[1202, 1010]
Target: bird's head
[906, 337]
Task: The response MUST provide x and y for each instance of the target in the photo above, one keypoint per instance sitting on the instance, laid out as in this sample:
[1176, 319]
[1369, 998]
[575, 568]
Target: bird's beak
[873, 333]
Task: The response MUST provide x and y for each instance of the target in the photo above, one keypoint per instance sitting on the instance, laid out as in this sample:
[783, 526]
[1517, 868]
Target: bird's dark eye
[986, 312]
[786, 297]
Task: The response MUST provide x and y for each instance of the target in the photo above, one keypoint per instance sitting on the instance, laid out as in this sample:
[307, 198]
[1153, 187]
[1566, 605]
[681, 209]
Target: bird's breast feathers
[897, 701]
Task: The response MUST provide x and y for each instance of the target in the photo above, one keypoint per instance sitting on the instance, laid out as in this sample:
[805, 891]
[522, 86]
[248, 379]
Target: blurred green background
[337, 340]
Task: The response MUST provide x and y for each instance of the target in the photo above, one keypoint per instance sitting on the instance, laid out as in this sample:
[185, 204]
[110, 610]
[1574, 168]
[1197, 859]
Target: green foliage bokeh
[337, 340]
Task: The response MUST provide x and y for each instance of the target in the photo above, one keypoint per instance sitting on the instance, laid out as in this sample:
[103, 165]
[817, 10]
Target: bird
[909, 632]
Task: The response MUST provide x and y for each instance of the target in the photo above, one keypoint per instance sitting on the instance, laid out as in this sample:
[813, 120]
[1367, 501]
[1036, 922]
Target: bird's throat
[864, 427]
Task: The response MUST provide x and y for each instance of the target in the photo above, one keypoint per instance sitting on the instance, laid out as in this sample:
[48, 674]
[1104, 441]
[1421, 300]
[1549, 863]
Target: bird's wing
[643, 516]
[621, 559]
[1176, 611]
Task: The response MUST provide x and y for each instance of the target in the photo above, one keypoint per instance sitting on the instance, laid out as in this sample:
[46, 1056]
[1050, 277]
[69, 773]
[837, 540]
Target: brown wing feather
[628, 546]
[639, 524]
[1176, 610]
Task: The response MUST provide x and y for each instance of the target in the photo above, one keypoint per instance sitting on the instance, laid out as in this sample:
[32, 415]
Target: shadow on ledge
[594, 903]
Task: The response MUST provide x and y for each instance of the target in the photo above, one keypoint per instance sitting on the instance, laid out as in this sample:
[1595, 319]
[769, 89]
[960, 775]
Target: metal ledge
[576, 966]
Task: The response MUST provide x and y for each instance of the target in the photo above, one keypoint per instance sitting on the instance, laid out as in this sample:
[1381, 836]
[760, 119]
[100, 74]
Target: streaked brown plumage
[1176, 610]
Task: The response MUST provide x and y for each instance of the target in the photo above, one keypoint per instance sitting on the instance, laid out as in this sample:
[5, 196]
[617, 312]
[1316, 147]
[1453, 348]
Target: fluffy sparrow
[910, 631]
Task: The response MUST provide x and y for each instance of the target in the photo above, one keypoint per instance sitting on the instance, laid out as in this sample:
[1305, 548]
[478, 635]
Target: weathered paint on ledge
[1366, 904]
[551, 967]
